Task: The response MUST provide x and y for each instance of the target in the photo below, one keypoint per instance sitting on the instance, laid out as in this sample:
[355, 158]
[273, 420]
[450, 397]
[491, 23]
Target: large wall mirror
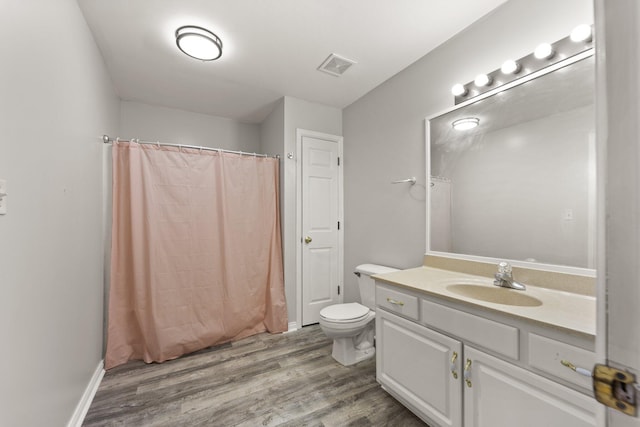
[521, 185]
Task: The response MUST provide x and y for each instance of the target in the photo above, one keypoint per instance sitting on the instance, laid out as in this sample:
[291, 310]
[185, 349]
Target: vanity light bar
[545, 54]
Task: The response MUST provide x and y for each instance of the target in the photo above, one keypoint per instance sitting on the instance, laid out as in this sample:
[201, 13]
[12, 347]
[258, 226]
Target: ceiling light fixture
[466, 123]
[198, 43]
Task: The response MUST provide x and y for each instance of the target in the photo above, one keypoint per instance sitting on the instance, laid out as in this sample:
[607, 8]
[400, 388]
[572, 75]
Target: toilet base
[346, 353]
[350, 350]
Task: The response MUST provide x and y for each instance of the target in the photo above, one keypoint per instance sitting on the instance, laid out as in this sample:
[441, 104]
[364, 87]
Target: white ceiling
[272, 48]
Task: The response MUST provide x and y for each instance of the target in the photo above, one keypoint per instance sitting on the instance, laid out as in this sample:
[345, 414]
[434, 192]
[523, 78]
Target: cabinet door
[414, 365]
[503, 395]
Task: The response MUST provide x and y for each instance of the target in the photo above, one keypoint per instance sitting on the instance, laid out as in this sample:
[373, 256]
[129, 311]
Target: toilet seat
[345, 313]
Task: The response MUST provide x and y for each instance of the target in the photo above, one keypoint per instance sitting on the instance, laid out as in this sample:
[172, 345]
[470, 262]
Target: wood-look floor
[265, 380]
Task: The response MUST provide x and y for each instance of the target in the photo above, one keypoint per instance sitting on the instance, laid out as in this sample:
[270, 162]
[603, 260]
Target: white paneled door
[320, 238]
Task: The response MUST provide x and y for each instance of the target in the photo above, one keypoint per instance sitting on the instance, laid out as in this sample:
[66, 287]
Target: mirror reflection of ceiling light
[198, 43]
[466, 123]
[582, 33]
[458, 90]
[543, 51]
[482, 80]
[510, 67]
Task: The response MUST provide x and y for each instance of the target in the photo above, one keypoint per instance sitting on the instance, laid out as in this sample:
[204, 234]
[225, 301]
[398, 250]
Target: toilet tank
[367, 285]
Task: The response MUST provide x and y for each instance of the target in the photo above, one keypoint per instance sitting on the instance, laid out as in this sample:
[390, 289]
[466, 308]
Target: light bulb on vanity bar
[544, 51]
[582, 33]
[482, 80]
[510, 67]
[458, 90]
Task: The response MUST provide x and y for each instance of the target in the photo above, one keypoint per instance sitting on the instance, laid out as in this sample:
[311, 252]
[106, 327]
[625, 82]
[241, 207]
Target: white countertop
[559, 309]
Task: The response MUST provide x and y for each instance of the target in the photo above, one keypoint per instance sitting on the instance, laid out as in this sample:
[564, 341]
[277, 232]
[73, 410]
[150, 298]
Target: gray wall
[272, 131]
[152, 123]
[57, 99]
[384, 130]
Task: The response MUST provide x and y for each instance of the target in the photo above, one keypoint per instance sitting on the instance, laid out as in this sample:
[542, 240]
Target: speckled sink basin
[495, 295]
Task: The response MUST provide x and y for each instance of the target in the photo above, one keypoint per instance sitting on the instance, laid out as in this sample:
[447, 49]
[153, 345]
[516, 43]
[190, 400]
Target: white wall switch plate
[3, 196]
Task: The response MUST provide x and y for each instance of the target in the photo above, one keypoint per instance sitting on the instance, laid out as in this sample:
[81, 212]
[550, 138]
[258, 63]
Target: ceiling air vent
[335, 65]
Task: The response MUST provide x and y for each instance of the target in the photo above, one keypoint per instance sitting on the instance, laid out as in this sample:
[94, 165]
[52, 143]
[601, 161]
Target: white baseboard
[87, 397]
[293, 326]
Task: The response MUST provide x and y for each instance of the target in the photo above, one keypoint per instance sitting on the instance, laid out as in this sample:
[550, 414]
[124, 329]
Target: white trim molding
[87, 397]
[293, 326]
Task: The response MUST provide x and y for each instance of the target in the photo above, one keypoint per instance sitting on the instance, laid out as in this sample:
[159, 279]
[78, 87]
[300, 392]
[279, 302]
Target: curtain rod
[107, 140]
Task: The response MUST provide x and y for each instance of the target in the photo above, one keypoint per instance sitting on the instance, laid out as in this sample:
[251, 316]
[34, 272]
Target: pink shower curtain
[196, 256]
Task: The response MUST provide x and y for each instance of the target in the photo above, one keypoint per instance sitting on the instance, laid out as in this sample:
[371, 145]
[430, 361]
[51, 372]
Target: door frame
[300, 134]
[618, 63]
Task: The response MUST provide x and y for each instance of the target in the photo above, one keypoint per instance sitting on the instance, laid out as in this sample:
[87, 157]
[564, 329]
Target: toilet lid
[348, 311]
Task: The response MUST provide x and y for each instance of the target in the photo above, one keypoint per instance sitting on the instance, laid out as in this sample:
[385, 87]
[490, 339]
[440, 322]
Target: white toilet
[352, 325]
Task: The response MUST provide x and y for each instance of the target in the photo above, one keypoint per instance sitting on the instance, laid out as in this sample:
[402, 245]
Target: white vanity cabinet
[413, 365]
[501, 394]
[435, 359]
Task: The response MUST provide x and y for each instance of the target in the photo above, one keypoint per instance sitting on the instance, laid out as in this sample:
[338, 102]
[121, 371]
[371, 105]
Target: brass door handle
[467, 373]
[307, 240]
[454, 357]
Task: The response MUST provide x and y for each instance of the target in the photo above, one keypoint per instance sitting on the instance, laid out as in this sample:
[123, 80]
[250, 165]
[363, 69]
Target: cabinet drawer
[497, 337]
[546, 355]
[397, 301]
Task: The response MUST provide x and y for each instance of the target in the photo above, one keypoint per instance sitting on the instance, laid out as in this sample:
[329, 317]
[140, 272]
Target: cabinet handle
[454, 357]
[467, 373]
[394, 302]
[581, 371]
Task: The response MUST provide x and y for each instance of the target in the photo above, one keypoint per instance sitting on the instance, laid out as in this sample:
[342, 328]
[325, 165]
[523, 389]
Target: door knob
[307, 240]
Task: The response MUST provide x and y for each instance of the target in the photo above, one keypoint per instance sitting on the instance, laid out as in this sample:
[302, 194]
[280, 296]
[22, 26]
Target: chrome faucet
[504, 277]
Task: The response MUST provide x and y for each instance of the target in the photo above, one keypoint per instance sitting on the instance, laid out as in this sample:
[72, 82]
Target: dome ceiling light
[198, 43]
